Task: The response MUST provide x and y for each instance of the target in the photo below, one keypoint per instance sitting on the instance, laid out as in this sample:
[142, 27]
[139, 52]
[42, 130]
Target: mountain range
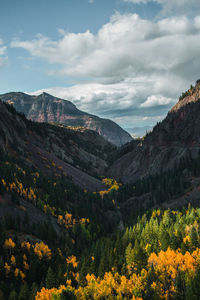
[46, 108]
[83, 155]
[177, 137]
[83, 219]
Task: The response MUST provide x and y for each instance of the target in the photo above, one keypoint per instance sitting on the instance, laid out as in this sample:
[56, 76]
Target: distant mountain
[47, 108]
[80, 154]
[174, 139]
[139, 131]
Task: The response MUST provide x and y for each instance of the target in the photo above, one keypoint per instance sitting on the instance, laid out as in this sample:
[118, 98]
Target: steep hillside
[54, 149]
[176, 137]
[94, 245]
[46, 108]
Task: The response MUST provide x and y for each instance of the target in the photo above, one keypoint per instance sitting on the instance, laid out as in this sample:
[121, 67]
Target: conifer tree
[193, 288]
[24, 292]
[50, 279]
[13, 295]
[2, 295]
[194, 237]
[33, 291]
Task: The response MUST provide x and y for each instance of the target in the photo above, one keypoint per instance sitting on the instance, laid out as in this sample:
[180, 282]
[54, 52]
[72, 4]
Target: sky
[127, 60]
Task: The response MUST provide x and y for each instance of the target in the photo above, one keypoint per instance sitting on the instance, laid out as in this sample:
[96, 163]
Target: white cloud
[121, 102]
[127, 46]
[96, 98]
[156, 100]
[3, 56]
[134, 64]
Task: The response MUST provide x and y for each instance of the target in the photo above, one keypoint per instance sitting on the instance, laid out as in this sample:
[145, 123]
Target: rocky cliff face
[46, 108]
[176, 137]
[79, 154]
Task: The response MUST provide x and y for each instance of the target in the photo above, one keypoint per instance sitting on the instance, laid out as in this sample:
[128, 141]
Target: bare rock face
[46, 108]
[176, 137]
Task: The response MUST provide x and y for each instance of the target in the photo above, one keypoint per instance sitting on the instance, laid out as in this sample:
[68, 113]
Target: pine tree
[193, 289]
[24, 292]
[67, 295]
[2, 295]
[50, 279]
[139, 257]
[83, 273]
[103, 265]
[194, 237]
[129, 254]
[33, 291]
[164, 238]
[13, 295]
[180, 286]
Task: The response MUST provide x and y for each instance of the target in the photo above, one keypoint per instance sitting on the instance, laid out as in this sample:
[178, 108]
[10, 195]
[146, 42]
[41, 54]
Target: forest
[74, 252]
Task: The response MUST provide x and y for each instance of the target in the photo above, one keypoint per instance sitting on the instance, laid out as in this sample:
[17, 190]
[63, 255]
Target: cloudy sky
[128, 60]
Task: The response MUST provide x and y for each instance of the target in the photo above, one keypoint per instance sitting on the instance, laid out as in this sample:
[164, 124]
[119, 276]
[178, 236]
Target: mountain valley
[98, 221]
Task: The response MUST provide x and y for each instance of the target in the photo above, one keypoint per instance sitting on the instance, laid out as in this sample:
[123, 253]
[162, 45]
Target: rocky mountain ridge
[176, 137]
[80, 154]
[47, 108]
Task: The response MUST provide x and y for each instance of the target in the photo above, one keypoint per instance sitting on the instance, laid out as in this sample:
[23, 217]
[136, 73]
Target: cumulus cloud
[3, 56]
[155, 100]
[127, 46]
[136, 66]
[97, 98]
[121, 102]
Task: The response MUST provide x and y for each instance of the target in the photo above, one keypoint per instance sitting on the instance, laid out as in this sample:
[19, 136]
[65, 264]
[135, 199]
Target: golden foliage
[13, 260]
[167, 266]
[26, 245]
[7, 268]
[112, 185]
[42, 250]
[46, 294]
[9, 244]
[72, 260]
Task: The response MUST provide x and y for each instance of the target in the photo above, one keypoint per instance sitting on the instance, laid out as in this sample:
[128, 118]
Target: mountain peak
[174, 140]
[44, 94]
[191, 95]
[50, 109]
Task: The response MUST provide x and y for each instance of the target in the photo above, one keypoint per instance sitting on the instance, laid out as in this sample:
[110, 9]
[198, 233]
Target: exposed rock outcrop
[176, 137]
[79, 155]
[46, 108]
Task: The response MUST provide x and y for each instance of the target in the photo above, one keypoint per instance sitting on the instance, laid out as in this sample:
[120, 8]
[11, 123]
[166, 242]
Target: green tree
[50, 279]
[193, 289]
[13, 295]
[2, 295]
[24, 292]
[194, 237]
[33, 291]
